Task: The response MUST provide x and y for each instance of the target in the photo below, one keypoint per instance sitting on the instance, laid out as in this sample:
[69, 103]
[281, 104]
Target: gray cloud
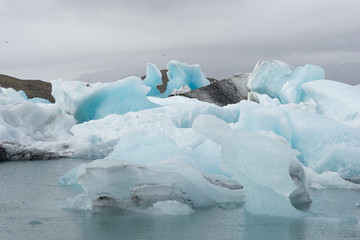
[51, 39]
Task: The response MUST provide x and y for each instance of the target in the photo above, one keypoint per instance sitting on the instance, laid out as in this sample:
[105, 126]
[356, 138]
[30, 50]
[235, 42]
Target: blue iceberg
[181, 74]
[280, 80]
[153, 79]
[260, 162]
[128, 95]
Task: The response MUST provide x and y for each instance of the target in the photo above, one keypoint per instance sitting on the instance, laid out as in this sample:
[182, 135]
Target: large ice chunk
[336, 100]
[128, 95]
[260, 162]
[280, 80]
[69, 94]
[146, 147]
[153, 135]
[324, 144]
[181, 74]
[94, 101]
[34, 131]
[9, 95]
[327, 179]
[153, 79]
[132, 187]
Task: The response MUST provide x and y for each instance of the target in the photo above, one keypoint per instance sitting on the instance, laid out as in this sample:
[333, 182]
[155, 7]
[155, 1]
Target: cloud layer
[51, 39]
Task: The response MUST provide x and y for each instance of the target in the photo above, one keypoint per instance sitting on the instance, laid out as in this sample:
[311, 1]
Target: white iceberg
[182, 74]
[133, 187]
[336, 100]
[88, 102]
[29, 130]
[325, 144]
[280, 80]
[158, 134]
[9, 95]
[128, 95]
[260, 162]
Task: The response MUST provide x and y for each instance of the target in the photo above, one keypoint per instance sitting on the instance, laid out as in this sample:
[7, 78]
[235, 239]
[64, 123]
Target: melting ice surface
[157, 155]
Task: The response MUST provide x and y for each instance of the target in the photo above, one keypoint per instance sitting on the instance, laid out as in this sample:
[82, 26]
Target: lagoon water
[30, 200]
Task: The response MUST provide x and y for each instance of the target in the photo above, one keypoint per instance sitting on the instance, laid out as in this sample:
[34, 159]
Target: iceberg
[146, 147]
[9, 95]
[133, 187]
[153, 79]
[88, 102]
[325, 144]
[280, 80]
[34, 131]
[326, 180]
[260, 162]
[118, 98]
[69, 94]
[158, 134]
[181, 74]
[336, 100]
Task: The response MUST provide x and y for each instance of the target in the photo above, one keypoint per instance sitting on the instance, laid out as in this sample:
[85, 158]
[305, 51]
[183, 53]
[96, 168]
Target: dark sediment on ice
[228, 91]
[14, 151]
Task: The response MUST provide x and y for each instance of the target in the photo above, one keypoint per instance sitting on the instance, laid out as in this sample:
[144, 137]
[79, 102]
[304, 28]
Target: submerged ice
[159, 155]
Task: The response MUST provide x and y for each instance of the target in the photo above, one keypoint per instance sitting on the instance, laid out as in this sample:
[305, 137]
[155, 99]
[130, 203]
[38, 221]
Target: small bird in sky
[6, 42]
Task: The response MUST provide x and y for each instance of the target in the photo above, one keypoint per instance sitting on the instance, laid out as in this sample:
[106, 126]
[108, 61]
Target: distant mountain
[32, 88]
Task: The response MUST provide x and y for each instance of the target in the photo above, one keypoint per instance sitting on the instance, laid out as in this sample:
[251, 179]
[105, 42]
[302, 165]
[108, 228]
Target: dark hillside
[32, 88]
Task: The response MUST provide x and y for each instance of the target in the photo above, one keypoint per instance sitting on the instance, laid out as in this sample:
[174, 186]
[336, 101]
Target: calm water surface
[30, 198]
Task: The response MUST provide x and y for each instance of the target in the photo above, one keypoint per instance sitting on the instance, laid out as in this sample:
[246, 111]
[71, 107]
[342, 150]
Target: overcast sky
[51, 39]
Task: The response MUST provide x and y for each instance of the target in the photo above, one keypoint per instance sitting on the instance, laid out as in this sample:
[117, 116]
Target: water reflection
[211, 223]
